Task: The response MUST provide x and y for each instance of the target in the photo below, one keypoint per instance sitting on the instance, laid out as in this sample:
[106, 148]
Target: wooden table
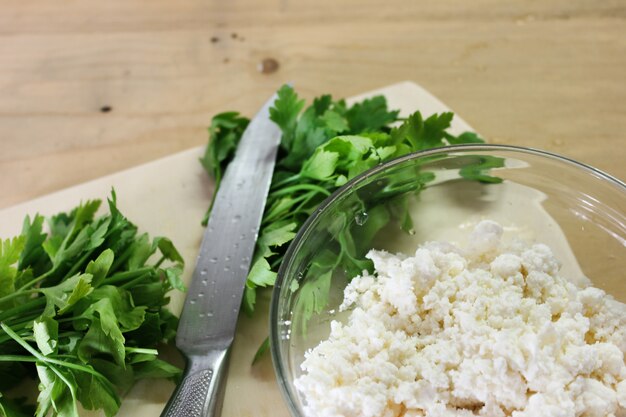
[90, 87]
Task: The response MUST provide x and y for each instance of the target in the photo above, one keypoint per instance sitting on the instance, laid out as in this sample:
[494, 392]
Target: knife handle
[201, 392]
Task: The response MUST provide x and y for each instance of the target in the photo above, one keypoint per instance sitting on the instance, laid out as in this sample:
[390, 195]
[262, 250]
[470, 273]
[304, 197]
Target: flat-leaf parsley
[82, 310]
[323, 146]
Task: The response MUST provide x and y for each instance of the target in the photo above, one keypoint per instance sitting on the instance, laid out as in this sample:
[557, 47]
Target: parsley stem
[16, 328]
[34, 281]
[274, 214]
[134, 281]
[120, 259]
[17, 358]
[287, 180]
[276, 263]
[77, 266]
[306, 201]
[39, 356]
[27, 306]
[68, 319]
[17, 294]
[141, 350]
[69, 385]
[22, 322]
[298, 187]
[160, 261]
[122, 276]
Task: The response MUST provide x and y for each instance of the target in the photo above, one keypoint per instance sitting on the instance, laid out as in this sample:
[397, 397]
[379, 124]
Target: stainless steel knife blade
[207, 323]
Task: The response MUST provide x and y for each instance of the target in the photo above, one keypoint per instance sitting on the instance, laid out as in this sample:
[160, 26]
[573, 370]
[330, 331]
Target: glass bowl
[576, 210]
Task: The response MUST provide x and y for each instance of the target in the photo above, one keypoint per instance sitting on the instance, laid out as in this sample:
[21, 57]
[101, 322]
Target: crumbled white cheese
[491, 330]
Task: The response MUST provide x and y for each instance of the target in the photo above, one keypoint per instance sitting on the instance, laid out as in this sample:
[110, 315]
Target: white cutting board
[168, 197]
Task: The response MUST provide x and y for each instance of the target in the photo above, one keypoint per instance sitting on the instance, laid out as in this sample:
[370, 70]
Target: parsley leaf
[82, 307]
[10, 250]
[225, 132]
[285, 114]
[323, 146]
[370, 115]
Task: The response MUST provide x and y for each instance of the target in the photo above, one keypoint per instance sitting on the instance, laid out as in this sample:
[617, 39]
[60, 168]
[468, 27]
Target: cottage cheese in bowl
[493, 328]
[492, 298]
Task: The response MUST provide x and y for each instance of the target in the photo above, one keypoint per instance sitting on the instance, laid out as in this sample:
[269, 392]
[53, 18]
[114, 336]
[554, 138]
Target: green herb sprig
[82, 310]
[323, 146]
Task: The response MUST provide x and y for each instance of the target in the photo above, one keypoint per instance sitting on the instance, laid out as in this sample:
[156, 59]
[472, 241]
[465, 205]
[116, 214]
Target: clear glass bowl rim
[279, 366]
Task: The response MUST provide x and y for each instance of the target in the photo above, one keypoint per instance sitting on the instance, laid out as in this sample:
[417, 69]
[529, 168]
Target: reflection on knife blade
[207, 323]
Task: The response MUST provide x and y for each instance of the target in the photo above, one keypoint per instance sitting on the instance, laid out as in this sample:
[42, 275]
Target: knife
[207, 323]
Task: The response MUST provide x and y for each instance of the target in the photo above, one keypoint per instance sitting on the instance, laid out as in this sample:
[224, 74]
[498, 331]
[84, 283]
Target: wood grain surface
[90, 87]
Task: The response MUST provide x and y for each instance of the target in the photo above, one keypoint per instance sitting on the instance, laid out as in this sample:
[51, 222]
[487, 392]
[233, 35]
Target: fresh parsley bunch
[82, 308]
[322, 147]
